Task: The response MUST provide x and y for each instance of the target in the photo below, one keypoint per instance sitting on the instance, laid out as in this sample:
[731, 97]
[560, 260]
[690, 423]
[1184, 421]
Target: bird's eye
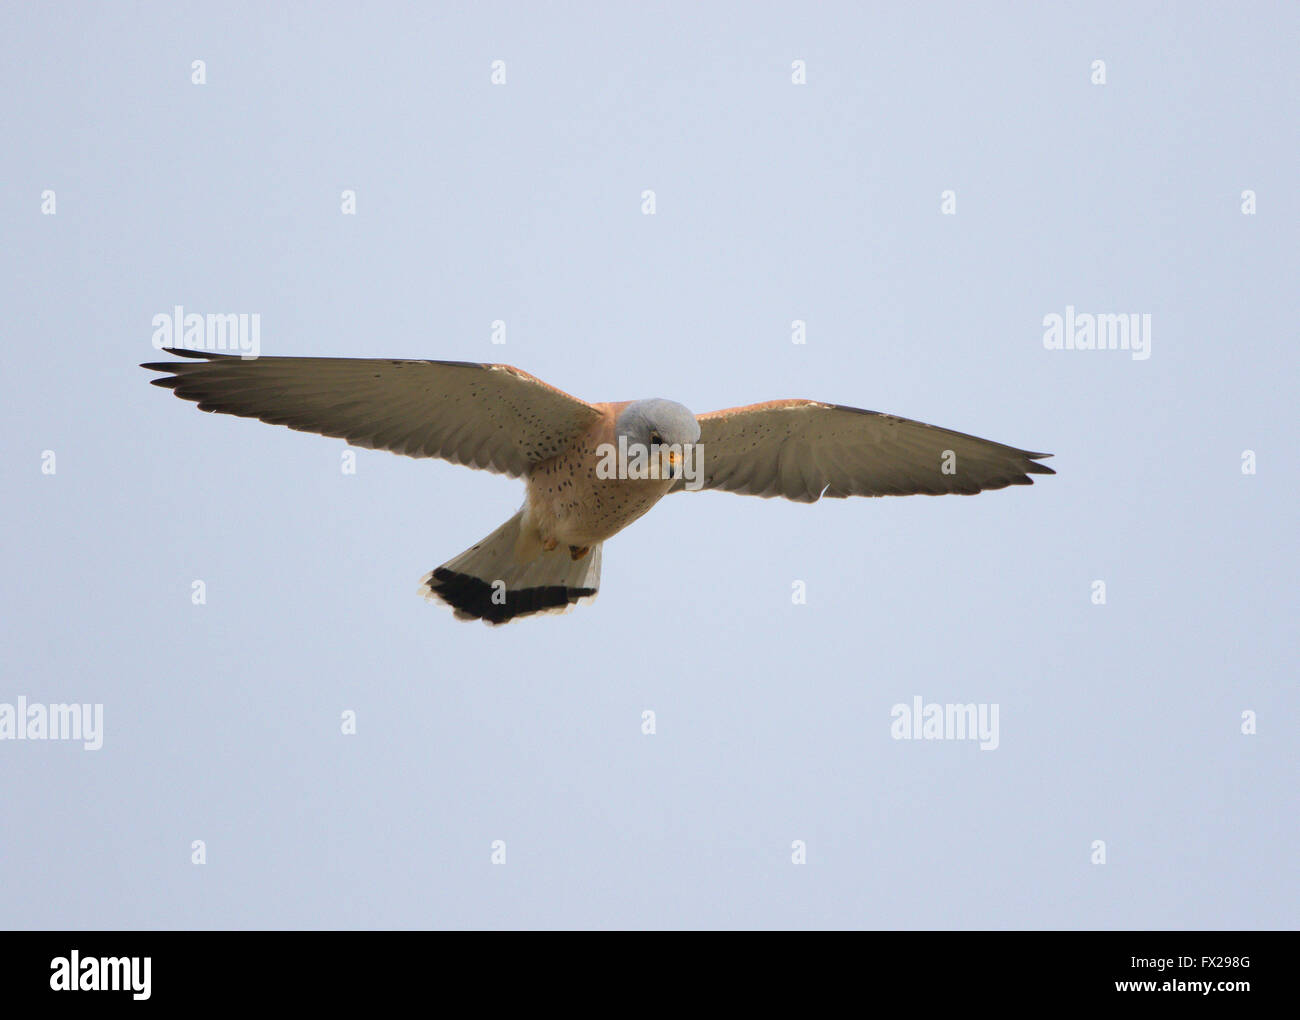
[654, 439]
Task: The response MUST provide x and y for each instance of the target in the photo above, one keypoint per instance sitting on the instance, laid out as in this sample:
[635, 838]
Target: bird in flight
[590, 469]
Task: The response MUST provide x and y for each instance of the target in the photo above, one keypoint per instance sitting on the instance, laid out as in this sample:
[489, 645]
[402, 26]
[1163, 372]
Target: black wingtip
[183, 352]
[1038, 469]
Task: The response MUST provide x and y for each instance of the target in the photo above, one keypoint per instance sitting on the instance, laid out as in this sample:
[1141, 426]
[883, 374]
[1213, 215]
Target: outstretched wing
[484, 416]
[803, 450]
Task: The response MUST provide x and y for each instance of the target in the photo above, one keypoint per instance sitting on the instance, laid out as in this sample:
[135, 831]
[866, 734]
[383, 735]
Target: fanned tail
[508, 575]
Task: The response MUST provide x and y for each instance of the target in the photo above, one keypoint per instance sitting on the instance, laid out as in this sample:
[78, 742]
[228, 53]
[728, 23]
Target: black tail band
[472, 597]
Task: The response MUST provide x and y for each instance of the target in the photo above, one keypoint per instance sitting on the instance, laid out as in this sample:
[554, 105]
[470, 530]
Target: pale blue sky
[775, 202]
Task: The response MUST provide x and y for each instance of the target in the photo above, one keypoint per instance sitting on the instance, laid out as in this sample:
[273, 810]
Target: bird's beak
[674, 463]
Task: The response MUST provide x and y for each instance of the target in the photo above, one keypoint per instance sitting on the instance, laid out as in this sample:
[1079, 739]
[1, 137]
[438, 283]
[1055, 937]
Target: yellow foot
[550, 544]
[577, 553]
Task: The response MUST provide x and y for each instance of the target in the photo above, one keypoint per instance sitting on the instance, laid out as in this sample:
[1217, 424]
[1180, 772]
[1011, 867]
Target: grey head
[657, 422]
[658, 436]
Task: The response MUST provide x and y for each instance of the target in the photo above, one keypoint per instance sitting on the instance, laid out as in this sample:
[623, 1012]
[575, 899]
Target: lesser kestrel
[591, 469]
